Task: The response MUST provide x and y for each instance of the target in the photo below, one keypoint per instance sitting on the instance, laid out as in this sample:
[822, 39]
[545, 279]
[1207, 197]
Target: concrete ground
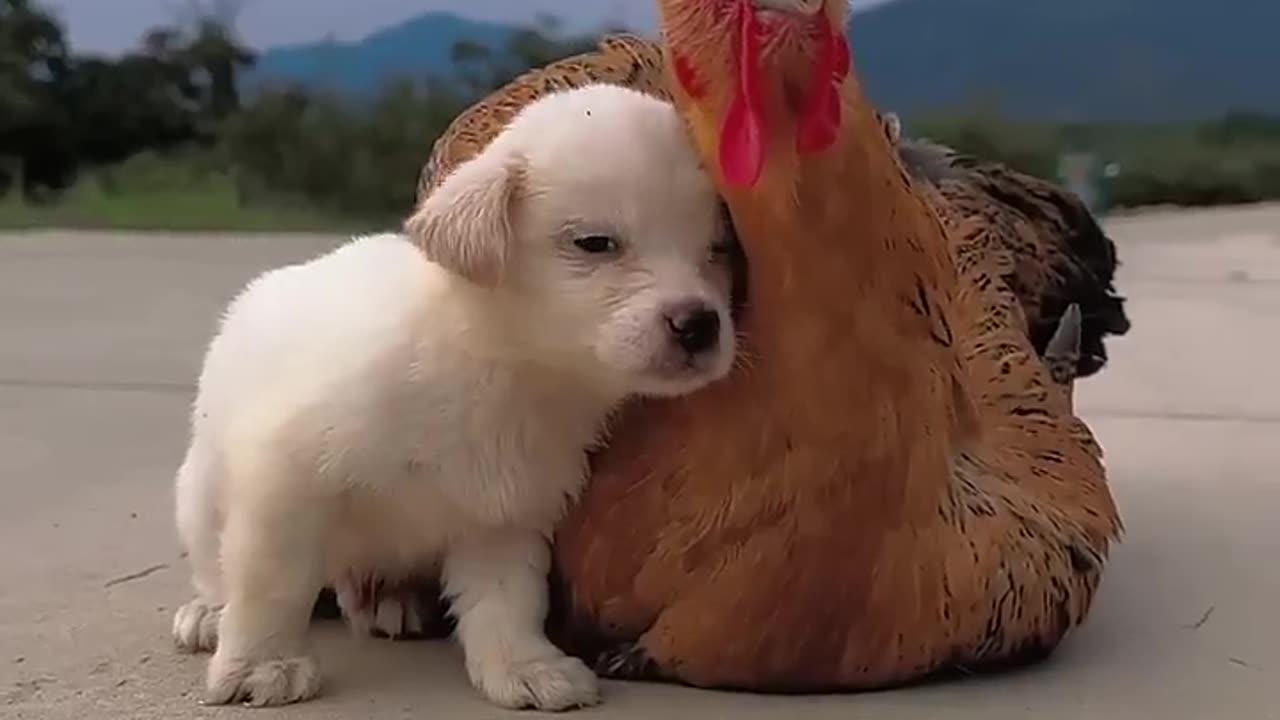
[100, 339]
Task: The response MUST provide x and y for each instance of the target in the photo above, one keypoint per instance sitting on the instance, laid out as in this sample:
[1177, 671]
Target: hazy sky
[111, 25]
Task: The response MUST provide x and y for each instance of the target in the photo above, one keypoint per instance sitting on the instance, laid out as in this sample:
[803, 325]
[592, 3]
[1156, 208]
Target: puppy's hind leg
[498, 589]
[408, 608]
[195, 624]
[273, 565]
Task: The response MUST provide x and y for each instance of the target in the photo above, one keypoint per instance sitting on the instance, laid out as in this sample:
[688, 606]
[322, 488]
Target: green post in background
[1084, 174]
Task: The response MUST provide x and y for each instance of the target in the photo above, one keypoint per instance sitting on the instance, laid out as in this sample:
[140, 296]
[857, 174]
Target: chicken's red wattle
[820, 118]
[742, 135]
[688, 77]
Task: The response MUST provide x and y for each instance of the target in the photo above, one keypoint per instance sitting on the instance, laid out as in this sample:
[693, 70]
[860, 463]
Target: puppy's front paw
[548, 684]
[260, 684]
[195, 627]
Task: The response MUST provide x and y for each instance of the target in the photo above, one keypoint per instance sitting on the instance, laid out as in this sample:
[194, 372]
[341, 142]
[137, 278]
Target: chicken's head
[758, 78]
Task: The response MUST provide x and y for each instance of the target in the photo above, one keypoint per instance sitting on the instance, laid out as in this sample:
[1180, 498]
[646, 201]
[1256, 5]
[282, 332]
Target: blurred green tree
[217, 56]
[33, 62]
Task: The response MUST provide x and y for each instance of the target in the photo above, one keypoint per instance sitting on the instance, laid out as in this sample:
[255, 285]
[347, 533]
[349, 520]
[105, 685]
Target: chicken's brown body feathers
[741, 540]
[931, 504]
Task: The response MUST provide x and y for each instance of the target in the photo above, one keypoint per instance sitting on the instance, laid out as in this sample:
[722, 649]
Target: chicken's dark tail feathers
[1076, 263]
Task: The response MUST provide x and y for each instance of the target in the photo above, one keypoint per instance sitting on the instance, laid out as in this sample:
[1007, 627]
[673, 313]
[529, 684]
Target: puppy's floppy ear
[465, 223]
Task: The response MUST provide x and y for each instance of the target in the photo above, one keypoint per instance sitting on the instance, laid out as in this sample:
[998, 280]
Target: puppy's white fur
[388, 405]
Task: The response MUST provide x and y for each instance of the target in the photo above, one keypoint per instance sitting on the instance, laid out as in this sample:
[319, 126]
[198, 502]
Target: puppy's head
[594, 226]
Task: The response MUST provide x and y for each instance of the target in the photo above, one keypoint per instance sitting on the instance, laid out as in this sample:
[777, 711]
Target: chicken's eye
[596, 244]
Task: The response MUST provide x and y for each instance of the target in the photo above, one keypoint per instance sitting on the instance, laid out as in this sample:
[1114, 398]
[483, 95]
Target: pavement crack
[136, 576]
[1203, 619]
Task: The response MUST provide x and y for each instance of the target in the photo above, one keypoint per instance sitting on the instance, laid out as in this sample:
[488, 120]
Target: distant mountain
[419, 47]
[1060, 59]
[1074, 59]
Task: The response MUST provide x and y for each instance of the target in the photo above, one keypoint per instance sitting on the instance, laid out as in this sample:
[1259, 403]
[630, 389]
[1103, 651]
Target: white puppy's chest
[440, 466]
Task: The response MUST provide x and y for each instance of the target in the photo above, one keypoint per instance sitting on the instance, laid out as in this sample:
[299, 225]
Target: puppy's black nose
[695, 327]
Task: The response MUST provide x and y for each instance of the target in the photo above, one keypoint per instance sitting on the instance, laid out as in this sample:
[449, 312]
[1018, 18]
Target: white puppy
[388, 405]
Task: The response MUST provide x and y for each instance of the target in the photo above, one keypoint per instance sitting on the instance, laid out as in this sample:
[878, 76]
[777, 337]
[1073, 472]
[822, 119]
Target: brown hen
[892, 486]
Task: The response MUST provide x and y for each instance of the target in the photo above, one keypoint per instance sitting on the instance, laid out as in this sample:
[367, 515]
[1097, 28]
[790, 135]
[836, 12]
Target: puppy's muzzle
[694, 326]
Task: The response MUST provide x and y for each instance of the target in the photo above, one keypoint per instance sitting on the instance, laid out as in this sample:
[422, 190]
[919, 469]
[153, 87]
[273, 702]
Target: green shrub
[358, 161]
[1235, 159]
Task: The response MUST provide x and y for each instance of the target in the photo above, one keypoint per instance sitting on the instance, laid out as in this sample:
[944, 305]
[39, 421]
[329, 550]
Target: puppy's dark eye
[596, 244]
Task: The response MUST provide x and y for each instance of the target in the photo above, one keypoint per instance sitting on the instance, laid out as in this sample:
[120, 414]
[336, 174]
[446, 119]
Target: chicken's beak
[807, 8]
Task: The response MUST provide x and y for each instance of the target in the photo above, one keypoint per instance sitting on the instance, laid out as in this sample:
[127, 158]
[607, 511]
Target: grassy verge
[155, 194]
